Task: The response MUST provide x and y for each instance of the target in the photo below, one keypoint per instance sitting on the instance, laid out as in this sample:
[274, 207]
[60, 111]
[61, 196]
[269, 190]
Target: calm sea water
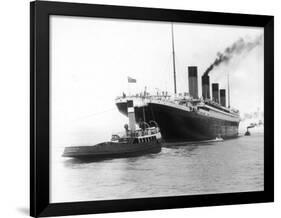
[219, 167]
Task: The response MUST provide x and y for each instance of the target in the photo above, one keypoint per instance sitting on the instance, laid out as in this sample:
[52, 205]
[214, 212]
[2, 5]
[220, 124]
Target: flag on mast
[131, 80]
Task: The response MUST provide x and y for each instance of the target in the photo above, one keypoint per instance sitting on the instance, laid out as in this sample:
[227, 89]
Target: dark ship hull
[180, 125]
[108, 150]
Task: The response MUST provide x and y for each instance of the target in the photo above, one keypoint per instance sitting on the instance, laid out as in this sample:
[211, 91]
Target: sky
[91, 59]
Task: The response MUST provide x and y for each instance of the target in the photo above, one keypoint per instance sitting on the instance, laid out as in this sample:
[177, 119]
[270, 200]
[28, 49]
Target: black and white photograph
[142, 109]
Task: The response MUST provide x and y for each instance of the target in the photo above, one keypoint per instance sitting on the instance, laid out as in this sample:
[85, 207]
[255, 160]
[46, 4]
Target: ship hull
[179, 125]
[111, 150]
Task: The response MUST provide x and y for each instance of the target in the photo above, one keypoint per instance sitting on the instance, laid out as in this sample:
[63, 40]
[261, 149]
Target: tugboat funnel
[131, 115]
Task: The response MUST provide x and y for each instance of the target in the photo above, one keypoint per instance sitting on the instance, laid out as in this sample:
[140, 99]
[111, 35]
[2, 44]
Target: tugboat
[133, 142]
[247, 133]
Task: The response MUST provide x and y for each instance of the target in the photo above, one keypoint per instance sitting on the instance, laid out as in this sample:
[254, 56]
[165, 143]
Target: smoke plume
[238, 47]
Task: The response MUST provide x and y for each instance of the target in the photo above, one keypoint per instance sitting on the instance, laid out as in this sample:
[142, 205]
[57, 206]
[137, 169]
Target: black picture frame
[39, 108]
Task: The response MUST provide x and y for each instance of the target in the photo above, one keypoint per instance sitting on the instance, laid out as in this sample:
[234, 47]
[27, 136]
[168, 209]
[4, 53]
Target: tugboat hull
[108, 150]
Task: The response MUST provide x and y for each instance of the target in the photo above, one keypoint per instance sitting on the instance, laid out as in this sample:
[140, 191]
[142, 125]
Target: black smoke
[238, 47]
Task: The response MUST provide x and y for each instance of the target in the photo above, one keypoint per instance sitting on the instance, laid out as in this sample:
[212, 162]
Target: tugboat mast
[174, 64]
[143, 111]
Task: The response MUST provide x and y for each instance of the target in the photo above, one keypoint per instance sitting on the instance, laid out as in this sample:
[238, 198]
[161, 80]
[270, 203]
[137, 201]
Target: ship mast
[228, 91]
[174, 64]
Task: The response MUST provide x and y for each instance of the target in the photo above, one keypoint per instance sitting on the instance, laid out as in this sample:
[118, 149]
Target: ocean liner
[186, 116]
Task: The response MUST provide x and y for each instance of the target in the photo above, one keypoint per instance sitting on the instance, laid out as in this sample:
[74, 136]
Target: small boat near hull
[108, 150]
[133, 142]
